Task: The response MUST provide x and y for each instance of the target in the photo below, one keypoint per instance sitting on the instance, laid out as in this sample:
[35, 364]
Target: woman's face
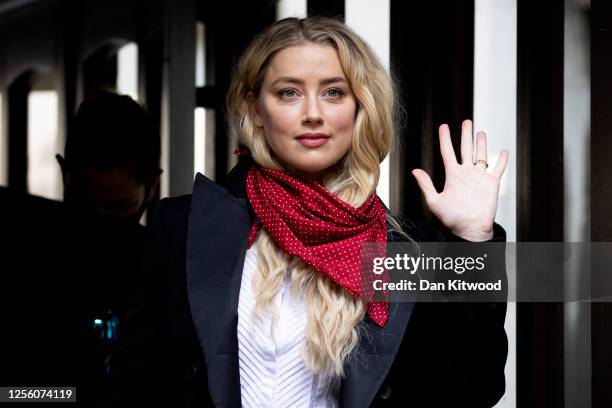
[306, 109]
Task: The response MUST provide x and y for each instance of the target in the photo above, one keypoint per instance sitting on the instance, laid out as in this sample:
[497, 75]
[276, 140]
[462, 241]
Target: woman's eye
[335, 93]
[288, 93]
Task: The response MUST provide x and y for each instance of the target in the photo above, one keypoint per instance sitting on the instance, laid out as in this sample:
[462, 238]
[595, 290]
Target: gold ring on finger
[483, 161]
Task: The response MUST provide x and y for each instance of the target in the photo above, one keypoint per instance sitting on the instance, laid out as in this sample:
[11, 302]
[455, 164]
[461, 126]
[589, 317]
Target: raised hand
[468, 203]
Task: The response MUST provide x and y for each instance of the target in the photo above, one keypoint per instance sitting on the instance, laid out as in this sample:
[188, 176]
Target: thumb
[425, 183]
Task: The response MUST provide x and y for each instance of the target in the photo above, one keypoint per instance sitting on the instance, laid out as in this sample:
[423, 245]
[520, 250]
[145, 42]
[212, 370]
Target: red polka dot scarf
[308, 221]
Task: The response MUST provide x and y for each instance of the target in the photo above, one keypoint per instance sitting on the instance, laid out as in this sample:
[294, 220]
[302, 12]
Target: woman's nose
[312, 111]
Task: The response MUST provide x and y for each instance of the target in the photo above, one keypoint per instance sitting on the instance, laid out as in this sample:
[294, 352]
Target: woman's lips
[312, 139]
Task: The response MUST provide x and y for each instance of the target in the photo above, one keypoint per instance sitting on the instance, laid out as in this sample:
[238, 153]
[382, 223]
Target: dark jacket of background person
[59, 272]
[181, 345]
[70, 269]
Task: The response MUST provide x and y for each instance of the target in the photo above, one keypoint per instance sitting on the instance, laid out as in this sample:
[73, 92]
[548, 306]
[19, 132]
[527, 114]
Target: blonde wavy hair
[333, 315]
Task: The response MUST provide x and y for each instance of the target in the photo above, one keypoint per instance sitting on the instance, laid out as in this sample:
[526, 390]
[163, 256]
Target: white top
[273, 374]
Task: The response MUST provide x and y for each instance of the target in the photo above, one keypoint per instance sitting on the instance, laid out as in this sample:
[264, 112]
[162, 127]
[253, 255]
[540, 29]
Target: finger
[446, 146]
[500, 166]
[481, 150]
[467, 145]
[426, 185]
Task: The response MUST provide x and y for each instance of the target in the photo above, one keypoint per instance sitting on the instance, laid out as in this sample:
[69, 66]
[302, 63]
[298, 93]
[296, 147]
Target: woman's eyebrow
[301, 82]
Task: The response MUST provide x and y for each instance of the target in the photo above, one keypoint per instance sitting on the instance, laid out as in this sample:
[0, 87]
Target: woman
[252, 296]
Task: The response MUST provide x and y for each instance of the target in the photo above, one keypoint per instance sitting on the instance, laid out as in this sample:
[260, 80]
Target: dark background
[73, 45]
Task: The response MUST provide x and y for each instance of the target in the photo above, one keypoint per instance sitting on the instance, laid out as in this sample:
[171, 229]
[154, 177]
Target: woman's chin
[316, 172]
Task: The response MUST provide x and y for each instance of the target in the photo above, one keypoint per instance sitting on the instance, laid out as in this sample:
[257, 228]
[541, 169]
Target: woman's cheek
[343, 118]
[283, 121]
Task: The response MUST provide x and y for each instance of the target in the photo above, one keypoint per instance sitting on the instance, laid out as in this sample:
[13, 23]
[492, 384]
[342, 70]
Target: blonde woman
[253, 296]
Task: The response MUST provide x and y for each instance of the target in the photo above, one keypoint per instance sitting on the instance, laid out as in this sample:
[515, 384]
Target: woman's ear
[254, 109]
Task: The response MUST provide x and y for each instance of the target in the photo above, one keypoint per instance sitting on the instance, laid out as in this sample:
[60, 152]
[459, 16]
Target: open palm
[468, 203]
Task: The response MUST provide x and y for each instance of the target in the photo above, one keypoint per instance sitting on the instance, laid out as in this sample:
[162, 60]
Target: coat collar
[214, 275]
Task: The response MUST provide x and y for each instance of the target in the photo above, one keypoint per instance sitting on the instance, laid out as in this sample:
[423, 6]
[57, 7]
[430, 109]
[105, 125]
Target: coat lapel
[214, 273]
[377, 351]
[217, 235]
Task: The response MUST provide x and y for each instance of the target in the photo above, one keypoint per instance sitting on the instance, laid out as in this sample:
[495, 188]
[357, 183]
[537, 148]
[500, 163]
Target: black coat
[180, 342]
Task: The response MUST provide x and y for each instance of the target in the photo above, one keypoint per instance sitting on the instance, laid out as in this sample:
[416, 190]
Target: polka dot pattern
[308, 221]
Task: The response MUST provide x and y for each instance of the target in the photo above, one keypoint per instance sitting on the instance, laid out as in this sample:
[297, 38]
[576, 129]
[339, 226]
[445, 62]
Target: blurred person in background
[75, 265]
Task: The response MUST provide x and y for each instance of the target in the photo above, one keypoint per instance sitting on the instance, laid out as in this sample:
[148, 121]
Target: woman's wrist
[474, 235]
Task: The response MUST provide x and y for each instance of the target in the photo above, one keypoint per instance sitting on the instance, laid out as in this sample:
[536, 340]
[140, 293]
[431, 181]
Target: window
[204, 116]
[44, 175]
[127, 70]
